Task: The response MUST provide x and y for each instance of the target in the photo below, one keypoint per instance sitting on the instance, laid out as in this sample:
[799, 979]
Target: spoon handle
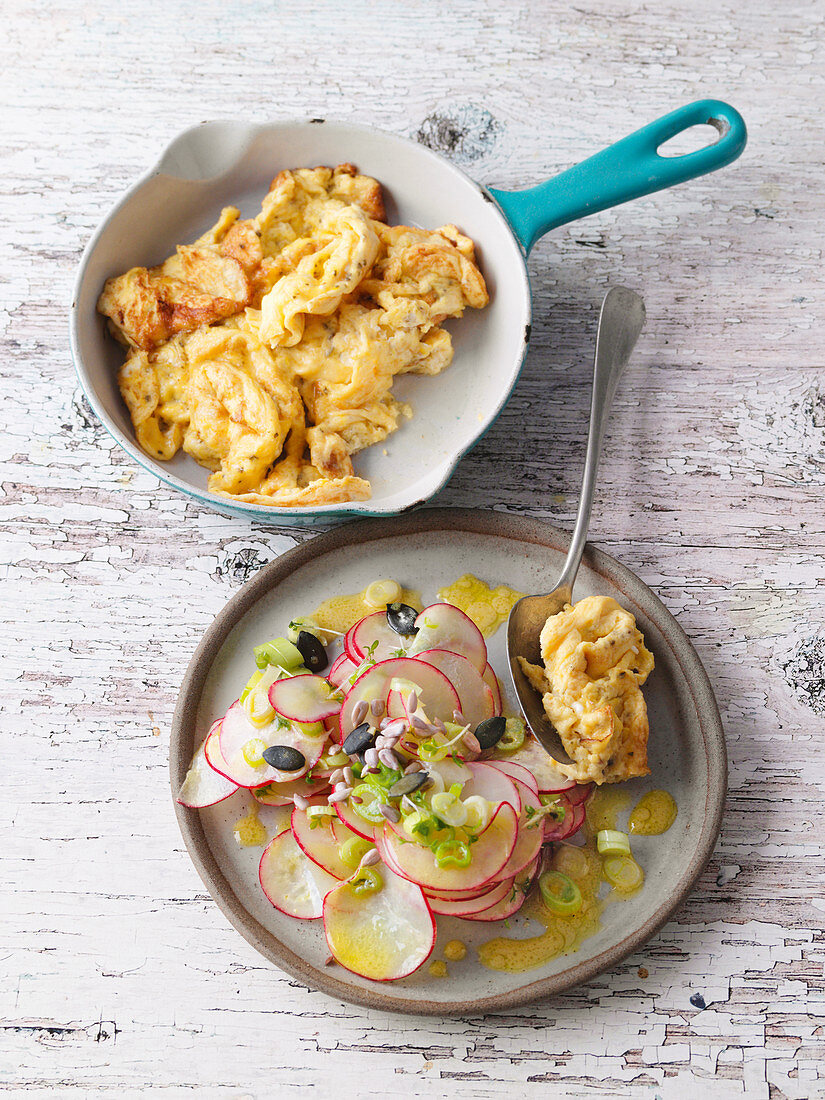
[620, 322]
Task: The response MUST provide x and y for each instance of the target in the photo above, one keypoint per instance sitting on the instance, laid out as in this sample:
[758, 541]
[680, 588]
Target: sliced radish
[281, 794]
[375, 631]
[436, 692]
[538, 761]
[347, 815]
[305, 698]
[530, 837]
[517, 772]
[571, 823]
[491, 784]
[384, 935]
[237, 731]
[491, 680]
[370, 685]
[451, 771]
[462, 906]
[578, 794]
[515, 899]
[462, 895]
[349, 646]
[581, 816]
[385, 851]
[203, 786]
[442, 626]
[212, 749]
[320, 840]
[292, 882]
[489, 854]
[341, 670]
[475, 699]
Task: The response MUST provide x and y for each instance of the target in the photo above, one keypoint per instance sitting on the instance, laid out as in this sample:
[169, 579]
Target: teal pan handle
[624, 171]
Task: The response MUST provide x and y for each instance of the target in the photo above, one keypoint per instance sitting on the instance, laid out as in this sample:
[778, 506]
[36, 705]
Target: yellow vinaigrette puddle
[339, 613]
[563, 935]
[487, 607]
[653, 814]
[250, 832]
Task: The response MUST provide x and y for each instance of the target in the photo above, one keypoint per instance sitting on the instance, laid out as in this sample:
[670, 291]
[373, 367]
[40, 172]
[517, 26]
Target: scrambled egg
[595, 661]
[268, 348]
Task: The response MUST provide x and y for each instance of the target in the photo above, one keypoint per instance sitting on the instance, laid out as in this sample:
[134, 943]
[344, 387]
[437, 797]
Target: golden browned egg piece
[267, 349]
[202, 283]
[595, 661]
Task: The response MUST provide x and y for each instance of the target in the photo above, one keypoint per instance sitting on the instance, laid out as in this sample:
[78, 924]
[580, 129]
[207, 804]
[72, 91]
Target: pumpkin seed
[313, 653]
[401, 618]
[361, 739]
[407, 784]
[284, 757]
[490, 731]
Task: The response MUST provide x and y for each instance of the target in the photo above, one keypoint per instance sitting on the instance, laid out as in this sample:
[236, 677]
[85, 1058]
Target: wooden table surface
[118, 974]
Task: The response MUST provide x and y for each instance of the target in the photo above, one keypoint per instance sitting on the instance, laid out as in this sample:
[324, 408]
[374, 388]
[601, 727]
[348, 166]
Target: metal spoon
[620, 322]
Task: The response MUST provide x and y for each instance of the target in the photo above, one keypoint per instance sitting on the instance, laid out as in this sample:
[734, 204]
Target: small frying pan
[231, 163]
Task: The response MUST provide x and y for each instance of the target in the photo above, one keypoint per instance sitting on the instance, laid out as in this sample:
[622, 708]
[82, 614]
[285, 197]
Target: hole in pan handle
[624, 171]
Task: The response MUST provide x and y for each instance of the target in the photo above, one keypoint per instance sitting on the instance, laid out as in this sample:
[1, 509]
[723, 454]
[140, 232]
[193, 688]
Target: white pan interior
[228, 163]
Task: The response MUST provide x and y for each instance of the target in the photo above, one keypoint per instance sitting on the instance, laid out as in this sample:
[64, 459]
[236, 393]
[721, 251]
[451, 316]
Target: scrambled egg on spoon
[595, 661]
[267, 349]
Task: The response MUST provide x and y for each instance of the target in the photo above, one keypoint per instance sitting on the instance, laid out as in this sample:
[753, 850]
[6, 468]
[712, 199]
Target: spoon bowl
[620, 322]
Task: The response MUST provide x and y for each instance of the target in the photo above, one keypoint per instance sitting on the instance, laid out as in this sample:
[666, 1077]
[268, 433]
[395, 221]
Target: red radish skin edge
[515, 771]
[504, 810]
[403, 667]
[215, 727]
[266, 895]
[502, 912]
[281, 699]
[464, 906]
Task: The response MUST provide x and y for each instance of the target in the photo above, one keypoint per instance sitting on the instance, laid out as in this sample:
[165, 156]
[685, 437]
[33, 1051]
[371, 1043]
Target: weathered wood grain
[119, 975]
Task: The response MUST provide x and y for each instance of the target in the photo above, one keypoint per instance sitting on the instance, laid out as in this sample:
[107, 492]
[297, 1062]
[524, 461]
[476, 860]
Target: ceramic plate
[425, 551]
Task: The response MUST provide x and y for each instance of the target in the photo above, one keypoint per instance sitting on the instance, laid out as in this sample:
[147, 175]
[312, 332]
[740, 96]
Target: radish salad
[412, 794]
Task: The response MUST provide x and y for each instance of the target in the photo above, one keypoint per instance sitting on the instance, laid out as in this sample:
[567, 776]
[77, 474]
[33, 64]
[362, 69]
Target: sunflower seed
[390, 813]
[377, 707]
[388, 757]
[471, 741]
[359, 712]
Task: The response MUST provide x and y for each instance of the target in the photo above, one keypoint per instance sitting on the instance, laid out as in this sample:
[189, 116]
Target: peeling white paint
[117, 972]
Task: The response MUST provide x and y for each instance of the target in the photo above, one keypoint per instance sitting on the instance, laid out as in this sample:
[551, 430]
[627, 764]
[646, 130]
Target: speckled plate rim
[466, 521]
